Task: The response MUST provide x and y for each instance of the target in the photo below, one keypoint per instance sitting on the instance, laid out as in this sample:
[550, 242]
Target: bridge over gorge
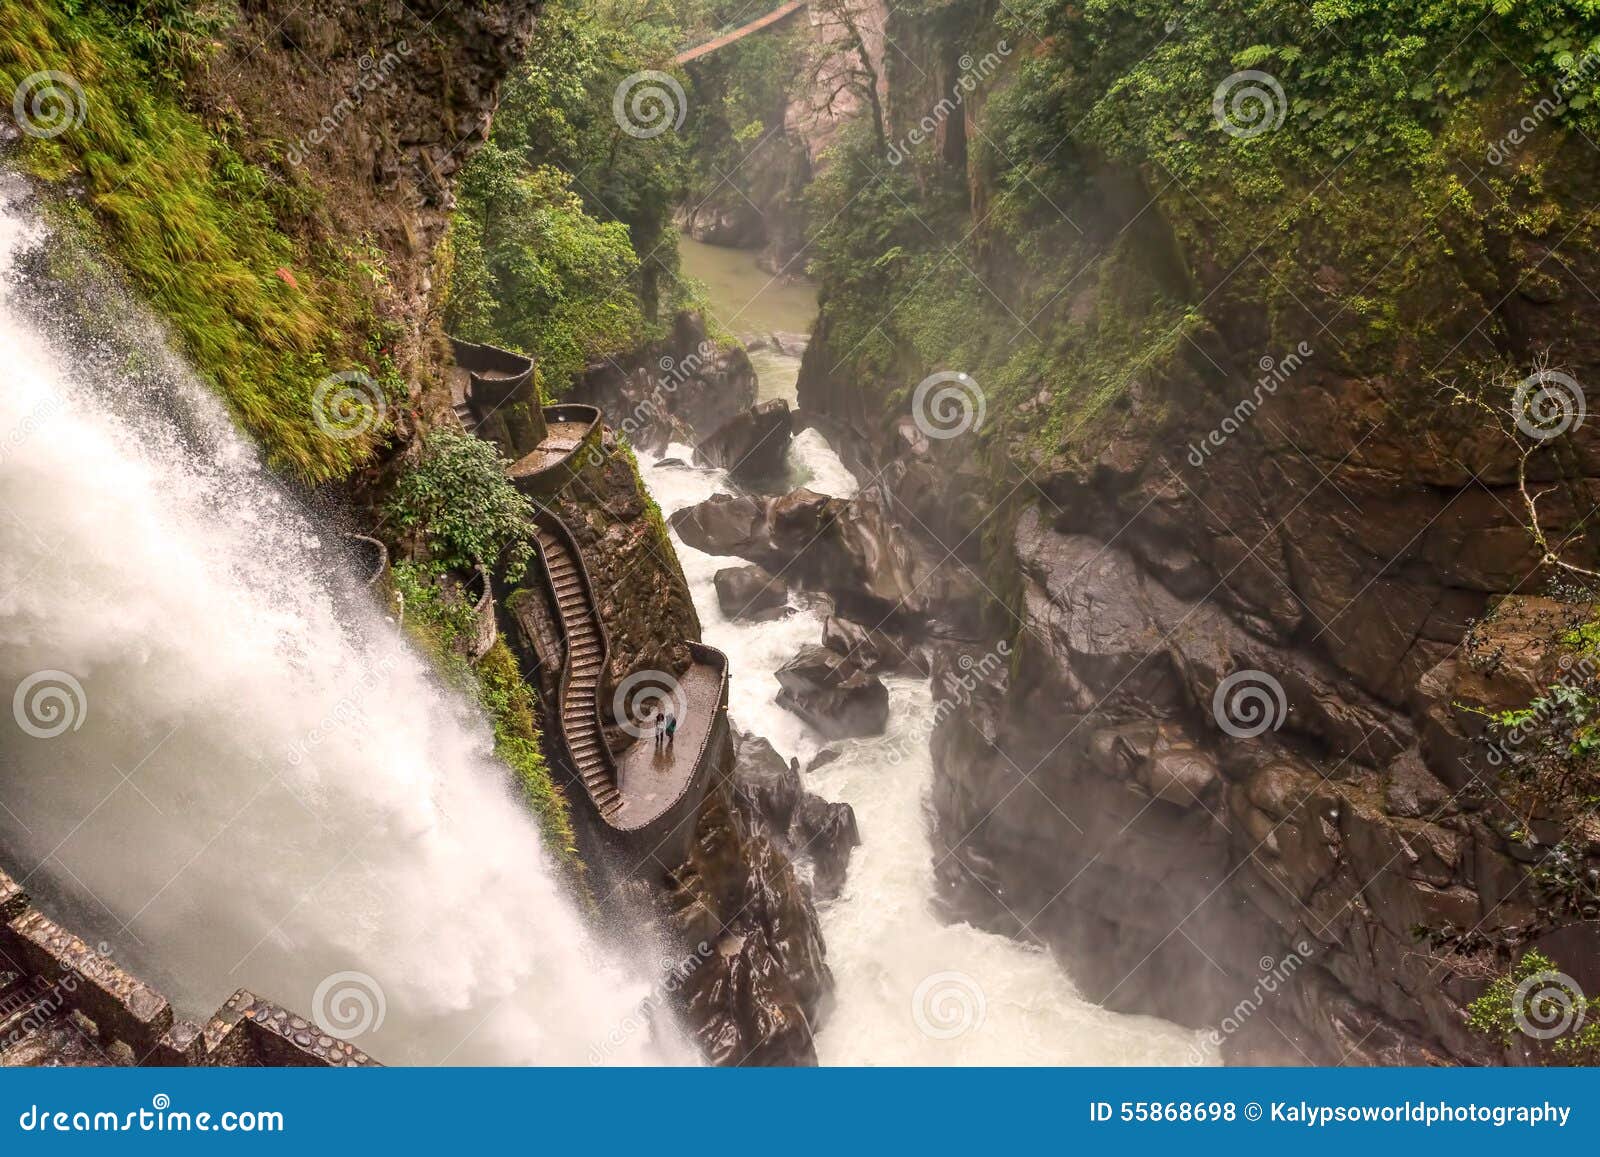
[782, 12]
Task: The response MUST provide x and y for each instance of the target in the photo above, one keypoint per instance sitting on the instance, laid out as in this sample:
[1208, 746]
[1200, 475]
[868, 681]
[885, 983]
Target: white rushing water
[910, 989]
[235, 773]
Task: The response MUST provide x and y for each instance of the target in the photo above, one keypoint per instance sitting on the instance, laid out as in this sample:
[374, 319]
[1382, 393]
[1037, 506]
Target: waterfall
[222, 761]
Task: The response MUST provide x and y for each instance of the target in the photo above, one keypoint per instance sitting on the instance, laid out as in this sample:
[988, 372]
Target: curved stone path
[632, 791]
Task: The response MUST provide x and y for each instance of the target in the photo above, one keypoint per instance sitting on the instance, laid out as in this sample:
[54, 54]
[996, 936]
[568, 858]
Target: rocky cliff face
[759, 202]
[1313, 526]
[377, 104]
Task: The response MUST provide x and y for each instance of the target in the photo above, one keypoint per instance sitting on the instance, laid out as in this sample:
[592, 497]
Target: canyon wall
[1238, 464]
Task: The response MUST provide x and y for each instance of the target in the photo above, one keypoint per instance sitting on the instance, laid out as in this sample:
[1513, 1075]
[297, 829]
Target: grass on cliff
[495, 682]
[195, 229]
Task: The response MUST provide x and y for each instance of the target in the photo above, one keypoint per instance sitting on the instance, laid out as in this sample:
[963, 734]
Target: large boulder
[768, 788]
[826, 832]
[833, 695]
[764, 782]
[750, 592]
[674, 389]
[846, 548]
[725, 524]
[752, 445]
[875, 651]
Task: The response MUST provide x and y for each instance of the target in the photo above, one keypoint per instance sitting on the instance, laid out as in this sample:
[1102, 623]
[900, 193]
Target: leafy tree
[564, 243]
[536, 272]
[1534, 995]
[459, 500]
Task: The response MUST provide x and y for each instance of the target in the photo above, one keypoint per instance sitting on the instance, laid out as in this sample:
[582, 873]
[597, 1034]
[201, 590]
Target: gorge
[1132, 459]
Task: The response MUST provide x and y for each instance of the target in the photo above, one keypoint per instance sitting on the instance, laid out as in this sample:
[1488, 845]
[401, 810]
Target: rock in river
[833, 695]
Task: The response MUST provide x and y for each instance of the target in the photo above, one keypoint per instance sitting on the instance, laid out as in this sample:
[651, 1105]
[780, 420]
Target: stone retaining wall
[66, 994]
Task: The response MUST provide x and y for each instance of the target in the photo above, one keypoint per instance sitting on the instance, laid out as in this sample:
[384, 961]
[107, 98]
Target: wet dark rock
[764, 781]
[824, 757]
[756, 996]
[750, 592]
[676, 389]
[826, 833]
[833, 695]
[875, 651]
[725, 524]
[847, 549]
[751, 446]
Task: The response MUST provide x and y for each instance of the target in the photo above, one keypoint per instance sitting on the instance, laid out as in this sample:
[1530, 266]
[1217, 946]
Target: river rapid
[911, 989]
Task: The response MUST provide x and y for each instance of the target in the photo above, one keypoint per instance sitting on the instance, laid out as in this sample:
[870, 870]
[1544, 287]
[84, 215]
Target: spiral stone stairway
[580, 718]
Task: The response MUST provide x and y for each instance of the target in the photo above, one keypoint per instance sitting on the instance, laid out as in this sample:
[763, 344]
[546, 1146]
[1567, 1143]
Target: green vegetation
[1535, 994]
[563, 243]
[197, 229]
[1119, 216]
[459, 503]
[438, 622]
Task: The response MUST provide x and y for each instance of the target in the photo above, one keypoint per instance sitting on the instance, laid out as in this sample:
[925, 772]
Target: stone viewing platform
[572, 431]
[644, 796]
[495, 395]
[64, 1003]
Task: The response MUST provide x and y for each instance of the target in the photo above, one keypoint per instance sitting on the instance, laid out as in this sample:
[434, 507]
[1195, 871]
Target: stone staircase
[25, 1005]
[585, 664]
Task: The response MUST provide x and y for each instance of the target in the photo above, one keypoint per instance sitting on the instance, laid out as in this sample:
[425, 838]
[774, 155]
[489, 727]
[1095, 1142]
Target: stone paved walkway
[652, 780]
